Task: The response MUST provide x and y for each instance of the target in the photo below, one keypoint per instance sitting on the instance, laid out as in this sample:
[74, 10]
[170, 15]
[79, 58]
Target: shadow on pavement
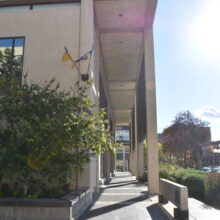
[156, 213]
[122, 176]
[124, 184]
[109, 208]
[119, 182]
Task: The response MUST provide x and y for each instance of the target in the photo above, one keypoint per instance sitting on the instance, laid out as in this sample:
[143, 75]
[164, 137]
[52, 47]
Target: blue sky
[187, 60]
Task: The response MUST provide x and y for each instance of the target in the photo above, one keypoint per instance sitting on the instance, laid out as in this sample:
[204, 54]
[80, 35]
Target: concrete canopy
[121, 24]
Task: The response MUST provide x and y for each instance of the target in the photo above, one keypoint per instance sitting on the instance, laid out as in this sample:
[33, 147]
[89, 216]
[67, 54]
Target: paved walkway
[124, 199]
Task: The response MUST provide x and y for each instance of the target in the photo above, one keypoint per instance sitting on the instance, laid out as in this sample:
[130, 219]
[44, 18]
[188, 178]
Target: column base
[113, 173]
[181, 215]
[101, 181]
[162, 199]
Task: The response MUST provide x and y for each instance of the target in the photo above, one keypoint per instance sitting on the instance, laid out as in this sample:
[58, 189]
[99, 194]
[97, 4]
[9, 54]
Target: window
[11, 56]
[119, 156]
[122, 134]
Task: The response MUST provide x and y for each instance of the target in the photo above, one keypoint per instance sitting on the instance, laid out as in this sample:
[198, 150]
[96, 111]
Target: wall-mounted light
[85, 77]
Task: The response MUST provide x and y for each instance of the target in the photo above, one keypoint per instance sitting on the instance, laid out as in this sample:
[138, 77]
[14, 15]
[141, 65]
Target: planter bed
[69, 207]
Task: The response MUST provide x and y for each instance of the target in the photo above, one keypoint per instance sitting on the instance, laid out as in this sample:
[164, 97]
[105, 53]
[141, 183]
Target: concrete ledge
[177, 194]
[197, 210]
[85, 199]
[69, 207]
[35, 202]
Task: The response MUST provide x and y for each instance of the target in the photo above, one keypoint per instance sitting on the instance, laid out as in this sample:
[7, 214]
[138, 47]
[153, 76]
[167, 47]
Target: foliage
[201, 185]
[212, 188]
[184, 137]
[143, 177]
[167, 171]
[167, 162]
[193, 179]
[46, 135]
[164, 158]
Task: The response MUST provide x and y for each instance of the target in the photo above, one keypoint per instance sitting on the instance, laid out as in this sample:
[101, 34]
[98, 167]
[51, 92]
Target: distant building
[209, 157]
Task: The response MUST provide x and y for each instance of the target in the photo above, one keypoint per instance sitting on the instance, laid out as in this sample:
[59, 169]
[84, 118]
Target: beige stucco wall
[47, 29]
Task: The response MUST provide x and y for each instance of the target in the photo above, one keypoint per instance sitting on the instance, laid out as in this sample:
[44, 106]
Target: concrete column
[134, 161]
[140, 159]
[123, 158]
[131, 151]
[130, 161]
[135, 137]
[106, 167]
[87, 33]
[101, 170]
[139, 151]
[112, 163]
[153, 166]
[97, 173]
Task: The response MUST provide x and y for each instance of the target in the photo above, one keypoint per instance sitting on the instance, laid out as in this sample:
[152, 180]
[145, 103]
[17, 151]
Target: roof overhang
[121, 26]
[10, 3]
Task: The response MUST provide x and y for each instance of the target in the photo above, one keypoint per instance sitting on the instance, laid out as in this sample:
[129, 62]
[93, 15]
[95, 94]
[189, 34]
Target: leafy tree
[46, 136]
[164, 157]
[184, 137]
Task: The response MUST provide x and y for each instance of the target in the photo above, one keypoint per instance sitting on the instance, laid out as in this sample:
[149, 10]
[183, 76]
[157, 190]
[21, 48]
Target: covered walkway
[124, 198]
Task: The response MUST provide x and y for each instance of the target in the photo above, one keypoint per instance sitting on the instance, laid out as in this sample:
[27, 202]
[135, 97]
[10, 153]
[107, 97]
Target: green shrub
[193, 179]
[212, 188]
[46, 137]
[201, 185]
[143, 177]
[195, 184]
[167, 171]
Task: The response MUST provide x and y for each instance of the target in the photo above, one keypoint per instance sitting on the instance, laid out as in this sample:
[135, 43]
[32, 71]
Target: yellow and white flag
[66, 57]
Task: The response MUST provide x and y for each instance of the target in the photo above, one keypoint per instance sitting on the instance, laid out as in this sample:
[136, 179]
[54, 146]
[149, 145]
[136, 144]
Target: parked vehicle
[207, 169]
[216, 170]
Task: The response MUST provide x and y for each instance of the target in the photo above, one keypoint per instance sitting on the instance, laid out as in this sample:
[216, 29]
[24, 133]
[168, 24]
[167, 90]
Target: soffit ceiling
[120, 24]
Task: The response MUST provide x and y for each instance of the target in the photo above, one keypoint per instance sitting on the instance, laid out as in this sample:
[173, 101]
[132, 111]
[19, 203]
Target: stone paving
[124, 199]
[201, 211]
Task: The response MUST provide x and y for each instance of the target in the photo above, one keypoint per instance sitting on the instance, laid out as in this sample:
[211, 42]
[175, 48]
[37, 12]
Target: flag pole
[90, 59]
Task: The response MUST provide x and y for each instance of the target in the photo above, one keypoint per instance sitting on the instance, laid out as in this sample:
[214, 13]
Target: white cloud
[208, 113]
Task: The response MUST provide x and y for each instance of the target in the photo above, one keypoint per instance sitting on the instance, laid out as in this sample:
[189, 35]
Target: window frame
[13, 46]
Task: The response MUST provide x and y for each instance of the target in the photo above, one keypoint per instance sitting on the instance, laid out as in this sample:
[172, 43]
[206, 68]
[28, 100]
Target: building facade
[120, 35]
[211, 154]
